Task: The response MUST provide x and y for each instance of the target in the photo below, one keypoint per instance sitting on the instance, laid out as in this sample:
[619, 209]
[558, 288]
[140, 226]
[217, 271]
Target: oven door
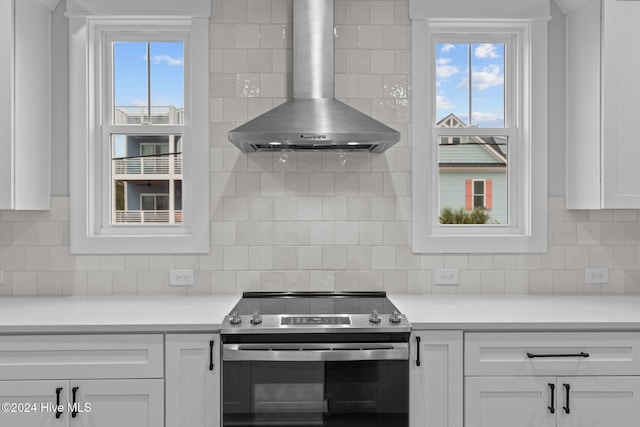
[320, 384]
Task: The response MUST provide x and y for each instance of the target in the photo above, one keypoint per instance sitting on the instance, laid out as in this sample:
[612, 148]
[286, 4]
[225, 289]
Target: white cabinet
[25, 104]
[552, 379]
[31, 403]
[193, 380]
[552, 401]
[110, 380]
[508, 402]
[602, 109]
[95, 403]
[436, 379]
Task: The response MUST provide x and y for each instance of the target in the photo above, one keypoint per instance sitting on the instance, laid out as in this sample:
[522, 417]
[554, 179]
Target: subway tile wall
[315, 221]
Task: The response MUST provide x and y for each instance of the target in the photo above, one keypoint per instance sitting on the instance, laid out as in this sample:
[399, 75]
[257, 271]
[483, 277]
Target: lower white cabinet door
[33, 403]
[436, 379]
[192, 380]
[117, 403]
[598, 401]
[510, 402]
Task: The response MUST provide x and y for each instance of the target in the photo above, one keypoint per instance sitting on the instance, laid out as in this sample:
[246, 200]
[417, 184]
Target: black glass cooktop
[318, 303]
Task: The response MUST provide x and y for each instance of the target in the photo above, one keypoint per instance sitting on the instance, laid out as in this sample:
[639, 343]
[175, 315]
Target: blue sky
[167, 73]
[487, 78]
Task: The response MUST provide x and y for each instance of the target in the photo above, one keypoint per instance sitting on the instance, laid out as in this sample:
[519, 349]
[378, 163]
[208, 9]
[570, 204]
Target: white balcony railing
[148, 166]
[147, 217]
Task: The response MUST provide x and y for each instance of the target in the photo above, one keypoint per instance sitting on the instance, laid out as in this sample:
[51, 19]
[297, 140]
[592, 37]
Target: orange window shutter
[489, 195]
[468, 195]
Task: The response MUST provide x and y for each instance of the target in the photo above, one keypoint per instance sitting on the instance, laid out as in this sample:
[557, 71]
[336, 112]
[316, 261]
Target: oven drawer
[552, 353]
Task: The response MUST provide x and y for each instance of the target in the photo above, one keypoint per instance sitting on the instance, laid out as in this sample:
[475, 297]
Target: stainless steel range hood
[313, 120]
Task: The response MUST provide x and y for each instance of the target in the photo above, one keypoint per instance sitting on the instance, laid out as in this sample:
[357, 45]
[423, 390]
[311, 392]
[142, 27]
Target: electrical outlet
[596, 275]
[181, 277]
[446, 276]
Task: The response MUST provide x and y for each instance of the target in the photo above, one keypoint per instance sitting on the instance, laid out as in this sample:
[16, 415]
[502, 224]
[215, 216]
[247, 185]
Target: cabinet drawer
[81, 356]
[554, 353]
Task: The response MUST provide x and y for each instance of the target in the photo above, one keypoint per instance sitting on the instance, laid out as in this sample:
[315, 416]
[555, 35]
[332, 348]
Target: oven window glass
[353, 394]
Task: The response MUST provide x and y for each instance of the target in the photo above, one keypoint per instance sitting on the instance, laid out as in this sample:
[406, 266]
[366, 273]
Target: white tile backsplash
[315, 221]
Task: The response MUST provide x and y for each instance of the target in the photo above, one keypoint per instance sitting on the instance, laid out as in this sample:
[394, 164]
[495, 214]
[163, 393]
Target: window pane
[470, 83]
[478, 187]
[472, 174]
[130, 83]
[452, 71]
[147, 179]
[140, 66]
[167, 82]
[487, 85]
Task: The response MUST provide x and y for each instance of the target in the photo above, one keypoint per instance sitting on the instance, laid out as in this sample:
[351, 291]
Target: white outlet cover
[596, 275]
[181, 278]
[446, 276]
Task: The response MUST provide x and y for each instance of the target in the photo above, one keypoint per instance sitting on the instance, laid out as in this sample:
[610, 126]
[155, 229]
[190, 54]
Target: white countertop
[114, 314]
[520, 312]
[205, 313]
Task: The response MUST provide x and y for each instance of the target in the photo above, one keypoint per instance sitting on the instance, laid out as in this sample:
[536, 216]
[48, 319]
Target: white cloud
[484, 78]
[443, 103]
[480, 117]
[486, 50]
[488, 77]
[138, 103]
[446, 48]
[444, 69]
[170, 60]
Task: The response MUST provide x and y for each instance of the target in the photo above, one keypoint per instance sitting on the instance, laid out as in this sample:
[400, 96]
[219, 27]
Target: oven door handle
[311, 352]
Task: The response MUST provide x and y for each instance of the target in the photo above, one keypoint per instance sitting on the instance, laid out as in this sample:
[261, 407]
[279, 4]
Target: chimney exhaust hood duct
[313, 119]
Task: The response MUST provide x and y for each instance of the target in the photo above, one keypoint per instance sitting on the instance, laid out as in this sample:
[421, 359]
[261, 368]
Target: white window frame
[93, 24]
[525, 125]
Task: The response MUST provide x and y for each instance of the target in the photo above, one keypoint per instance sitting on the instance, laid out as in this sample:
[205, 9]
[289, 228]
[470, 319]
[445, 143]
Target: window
[139, 161]
[479, 194]
[478, 130]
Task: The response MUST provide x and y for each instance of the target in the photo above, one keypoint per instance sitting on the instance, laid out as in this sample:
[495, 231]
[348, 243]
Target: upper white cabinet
[602, 108]
[25, 104]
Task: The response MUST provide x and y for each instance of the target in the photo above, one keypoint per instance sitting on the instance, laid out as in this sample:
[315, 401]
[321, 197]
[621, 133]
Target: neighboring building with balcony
[147, 170]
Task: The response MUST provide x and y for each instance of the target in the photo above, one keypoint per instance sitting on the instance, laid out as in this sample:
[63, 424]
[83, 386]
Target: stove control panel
[314, 320]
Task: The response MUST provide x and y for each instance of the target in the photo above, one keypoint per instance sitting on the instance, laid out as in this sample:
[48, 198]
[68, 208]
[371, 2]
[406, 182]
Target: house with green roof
[472, 171]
